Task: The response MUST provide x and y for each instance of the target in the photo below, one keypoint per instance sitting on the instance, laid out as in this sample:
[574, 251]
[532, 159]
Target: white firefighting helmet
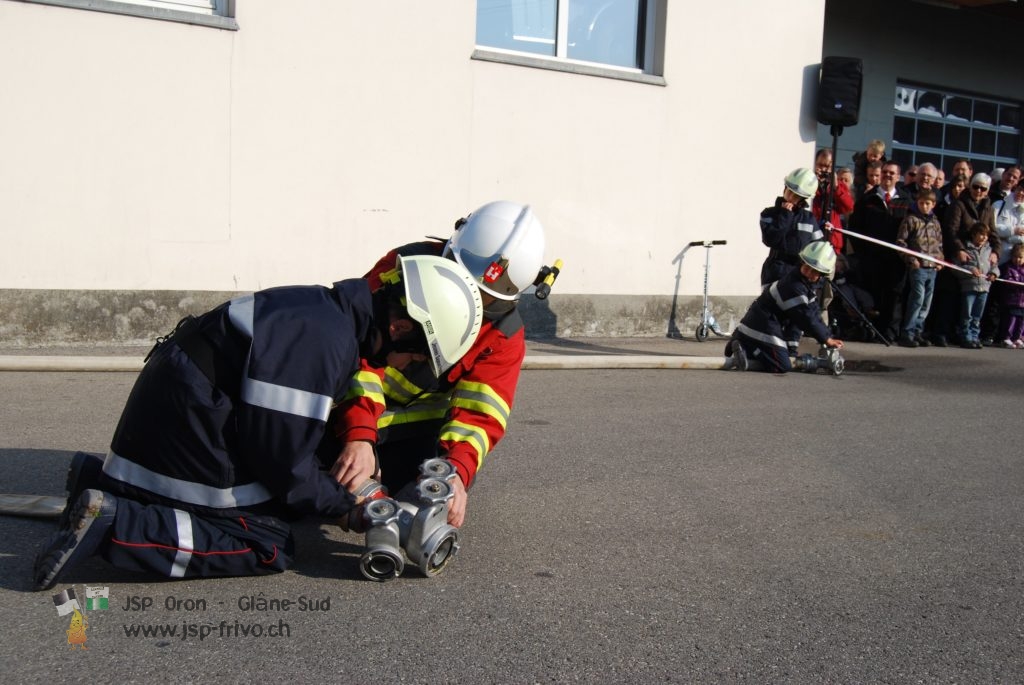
[802, 182]
[502, 245]
[444, 299]
[820, 256]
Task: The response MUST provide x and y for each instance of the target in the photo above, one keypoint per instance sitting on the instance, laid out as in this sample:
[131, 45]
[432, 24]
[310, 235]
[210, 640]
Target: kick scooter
[707, 320]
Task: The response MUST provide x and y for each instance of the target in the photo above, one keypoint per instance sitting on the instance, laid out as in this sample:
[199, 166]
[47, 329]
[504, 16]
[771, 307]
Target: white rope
[919, 255]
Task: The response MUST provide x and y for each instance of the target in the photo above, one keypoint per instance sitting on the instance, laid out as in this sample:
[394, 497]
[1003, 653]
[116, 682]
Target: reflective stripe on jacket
[249, 440]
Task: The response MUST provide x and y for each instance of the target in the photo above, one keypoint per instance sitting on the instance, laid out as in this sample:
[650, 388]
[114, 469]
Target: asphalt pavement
[635, 525]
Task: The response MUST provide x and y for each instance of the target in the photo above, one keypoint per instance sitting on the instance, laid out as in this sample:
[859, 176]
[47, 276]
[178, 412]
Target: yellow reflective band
[398, 387]
[421, 411]
[456, 431]
[366, 384]
[479, 397]
[391, 276]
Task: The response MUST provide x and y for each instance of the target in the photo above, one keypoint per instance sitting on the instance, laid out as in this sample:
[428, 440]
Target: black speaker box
[839, 91]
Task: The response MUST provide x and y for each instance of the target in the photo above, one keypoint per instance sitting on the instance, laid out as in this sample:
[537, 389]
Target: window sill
[537, 62]
[111, 7]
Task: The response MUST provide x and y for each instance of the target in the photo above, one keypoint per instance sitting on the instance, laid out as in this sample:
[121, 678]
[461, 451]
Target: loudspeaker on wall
[839, 91]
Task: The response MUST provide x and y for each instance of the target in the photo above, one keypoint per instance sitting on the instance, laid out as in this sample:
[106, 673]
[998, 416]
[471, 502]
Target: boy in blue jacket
[759, 343]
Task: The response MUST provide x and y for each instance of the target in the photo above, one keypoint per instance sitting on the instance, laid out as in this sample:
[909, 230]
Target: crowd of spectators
[967, 218]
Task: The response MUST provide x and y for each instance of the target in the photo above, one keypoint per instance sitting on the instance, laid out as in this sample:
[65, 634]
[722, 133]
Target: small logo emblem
[67, 603]
[97, 598]
[495, 270]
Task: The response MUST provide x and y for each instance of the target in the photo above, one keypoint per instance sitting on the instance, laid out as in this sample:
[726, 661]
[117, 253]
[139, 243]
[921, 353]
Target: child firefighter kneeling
[758, 341]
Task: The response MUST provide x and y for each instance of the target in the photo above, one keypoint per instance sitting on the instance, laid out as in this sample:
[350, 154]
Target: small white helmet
[820, 256]
[802, 182]
[502, 245]
[444, 299]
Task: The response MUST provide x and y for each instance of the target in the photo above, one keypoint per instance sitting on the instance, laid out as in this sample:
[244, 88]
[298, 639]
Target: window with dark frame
[611, 33]
[941, 126]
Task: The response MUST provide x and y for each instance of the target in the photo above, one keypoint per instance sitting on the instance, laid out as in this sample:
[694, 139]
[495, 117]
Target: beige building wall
[150, 155]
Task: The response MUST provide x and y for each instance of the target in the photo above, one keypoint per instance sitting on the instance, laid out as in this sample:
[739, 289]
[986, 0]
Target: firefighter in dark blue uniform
[789, 225]
[759, 341]
[786, 228]
[216, 445]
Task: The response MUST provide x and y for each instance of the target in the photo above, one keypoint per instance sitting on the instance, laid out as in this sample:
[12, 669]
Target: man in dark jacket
[878, 215]
[1004, 185]
[216, 444]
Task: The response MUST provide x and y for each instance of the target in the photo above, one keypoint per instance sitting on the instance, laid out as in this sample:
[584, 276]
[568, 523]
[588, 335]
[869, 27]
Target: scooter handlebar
[706, 243]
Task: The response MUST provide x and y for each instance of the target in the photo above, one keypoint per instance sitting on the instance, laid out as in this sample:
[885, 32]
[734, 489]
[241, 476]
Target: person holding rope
[1013, 320]
[974, 286]
[973, 206]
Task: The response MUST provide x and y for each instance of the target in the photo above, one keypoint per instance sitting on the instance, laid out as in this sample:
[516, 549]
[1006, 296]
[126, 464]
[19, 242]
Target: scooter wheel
[702, 333]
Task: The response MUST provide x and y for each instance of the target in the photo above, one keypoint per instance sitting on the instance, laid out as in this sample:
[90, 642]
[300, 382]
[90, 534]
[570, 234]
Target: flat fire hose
[35, 506]
[532, 361]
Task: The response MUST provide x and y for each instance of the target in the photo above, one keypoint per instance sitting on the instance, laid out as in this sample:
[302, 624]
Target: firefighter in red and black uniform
[396, 417]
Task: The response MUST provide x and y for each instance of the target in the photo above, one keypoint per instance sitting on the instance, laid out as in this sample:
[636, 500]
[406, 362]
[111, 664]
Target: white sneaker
[1009, 344]
[1019, 344]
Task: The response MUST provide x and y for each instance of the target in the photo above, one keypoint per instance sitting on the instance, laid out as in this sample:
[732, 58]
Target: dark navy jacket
[786, 233]
[791, 299]
[244, 440]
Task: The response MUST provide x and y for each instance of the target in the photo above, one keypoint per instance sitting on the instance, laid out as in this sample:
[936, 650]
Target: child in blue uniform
[759, 341]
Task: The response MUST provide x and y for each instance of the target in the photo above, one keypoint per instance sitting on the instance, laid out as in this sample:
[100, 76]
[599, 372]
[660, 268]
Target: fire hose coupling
[383, 558]
[370, 489]
[416, 521]
[442, 469]
[429, 541]
[828, 359]
[355, 520]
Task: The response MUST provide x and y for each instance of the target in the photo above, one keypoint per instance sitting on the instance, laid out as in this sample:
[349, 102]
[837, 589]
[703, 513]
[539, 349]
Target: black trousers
[993, 313]
[173, 410]
[884, 276]
[179, 544]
